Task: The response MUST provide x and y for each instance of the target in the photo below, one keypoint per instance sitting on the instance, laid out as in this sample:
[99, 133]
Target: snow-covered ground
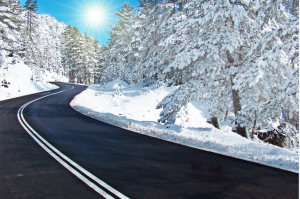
[133, 108]
[18, 77]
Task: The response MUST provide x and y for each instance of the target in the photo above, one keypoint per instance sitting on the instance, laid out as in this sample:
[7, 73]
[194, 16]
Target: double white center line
[64, 160]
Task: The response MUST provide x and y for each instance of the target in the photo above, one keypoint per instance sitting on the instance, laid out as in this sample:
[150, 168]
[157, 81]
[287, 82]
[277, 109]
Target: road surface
[99, 159]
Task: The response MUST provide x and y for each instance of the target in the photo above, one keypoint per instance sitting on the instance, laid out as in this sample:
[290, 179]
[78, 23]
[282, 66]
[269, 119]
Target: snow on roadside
[133, 108]
[18, 78]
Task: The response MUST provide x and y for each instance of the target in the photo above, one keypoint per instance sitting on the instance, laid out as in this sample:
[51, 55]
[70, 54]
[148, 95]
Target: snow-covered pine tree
[272, 64]
[41, 41]
[68, 52]
[238, 56]
[10, 22]
[119, 45]
[90, 59]
[216, 43]
[99, 61]
[81, 58]
[244, 54]
[79, 55]
[50, 31]
[31, 5]
[144, 3]
[154, 51]
[31, 17]
[142, 53]
[31, 37]
[75, 55]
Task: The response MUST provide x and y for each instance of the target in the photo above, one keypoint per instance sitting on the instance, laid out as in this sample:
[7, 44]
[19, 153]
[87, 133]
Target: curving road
[85, 158]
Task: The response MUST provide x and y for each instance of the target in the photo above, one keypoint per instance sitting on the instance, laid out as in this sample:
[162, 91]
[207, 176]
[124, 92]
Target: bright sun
[95, 16]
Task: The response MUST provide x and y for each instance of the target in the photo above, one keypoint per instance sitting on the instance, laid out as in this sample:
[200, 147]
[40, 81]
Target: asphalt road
[137, 166]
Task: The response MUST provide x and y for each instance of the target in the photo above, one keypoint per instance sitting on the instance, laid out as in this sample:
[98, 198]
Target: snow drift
[17, 80]
[133, 108]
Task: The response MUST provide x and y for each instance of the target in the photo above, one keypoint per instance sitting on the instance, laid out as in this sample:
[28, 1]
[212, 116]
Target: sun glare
[91, 16]
[95, 16]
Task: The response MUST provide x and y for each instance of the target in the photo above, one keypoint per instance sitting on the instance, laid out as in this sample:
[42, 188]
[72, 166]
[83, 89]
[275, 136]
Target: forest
[239, 56]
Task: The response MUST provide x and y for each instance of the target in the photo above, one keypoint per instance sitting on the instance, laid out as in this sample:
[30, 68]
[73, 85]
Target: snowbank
[16, 81]
[133, 108]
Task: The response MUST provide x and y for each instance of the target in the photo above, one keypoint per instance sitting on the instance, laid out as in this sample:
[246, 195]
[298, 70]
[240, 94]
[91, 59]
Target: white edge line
[100, 182]
[81, 177]
[92, 185]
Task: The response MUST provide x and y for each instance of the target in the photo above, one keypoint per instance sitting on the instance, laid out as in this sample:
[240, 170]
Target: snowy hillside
[44, 44]
[16, 80]
[239, 57]
[134, 108]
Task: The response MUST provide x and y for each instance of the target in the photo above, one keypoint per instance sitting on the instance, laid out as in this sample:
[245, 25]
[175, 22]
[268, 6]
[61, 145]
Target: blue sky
[74, 12]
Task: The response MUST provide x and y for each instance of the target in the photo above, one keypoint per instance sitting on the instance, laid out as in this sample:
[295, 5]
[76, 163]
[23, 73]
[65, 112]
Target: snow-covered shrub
[269, 84]
[4, 83]
[98, 93]
[174, 102]
[118, 93]
[286, 136]
[291, 140]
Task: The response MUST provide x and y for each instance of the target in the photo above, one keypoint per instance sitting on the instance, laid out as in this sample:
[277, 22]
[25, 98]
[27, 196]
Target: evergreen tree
[69, 51]
[225, 65]
[80, 56]
[10, 22]
[31, 37]
[239, 57]
[31, 8]
[119, 44]
[98, 50]
[31, 5]
[49, 45]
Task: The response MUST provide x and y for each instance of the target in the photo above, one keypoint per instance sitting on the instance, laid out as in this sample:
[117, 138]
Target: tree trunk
[214, 122]
[236, 108]
[295, 6]
[30, 25]
[70, 77]
[226, 115]
[180, 7]
[174, 8]
[229, 57]
[27, 22]
[236, 100]
[253, 129]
